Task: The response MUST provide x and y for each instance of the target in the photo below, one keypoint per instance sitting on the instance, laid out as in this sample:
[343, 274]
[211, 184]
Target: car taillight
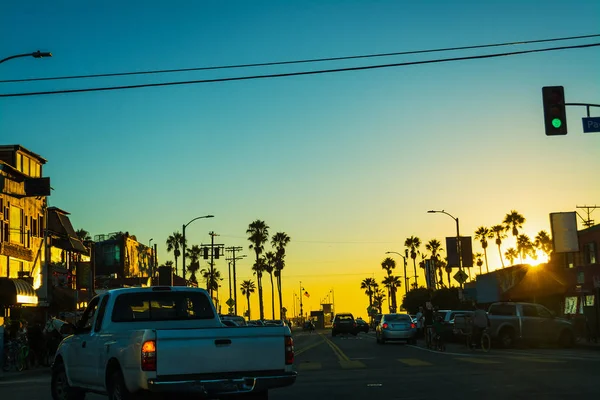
[289, 350]
[412, 326]
[355, 324]
[385, 326]
[334, 325]
[149, 355]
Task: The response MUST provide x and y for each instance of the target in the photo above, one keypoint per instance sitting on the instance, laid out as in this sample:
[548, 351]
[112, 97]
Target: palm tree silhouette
[511, 255]
[388, 265]
[378, 298]
[369, 285]
[258, 234]
[543, 242]
[83, 235]
[513, 221]
[478, 261]
[269, 263]
[434, 247]
[247, 288]
[174, 242]
[193, 253]
[525, 247]
[498, 231]
[483, 234]
[279, 241]
[413, 243]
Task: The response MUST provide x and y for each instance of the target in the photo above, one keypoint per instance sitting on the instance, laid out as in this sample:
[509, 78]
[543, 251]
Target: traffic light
[555, 115]
[205, 255]
[216, 253]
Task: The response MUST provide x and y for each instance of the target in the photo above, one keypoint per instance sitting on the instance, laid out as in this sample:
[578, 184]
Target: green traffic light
[557, 123]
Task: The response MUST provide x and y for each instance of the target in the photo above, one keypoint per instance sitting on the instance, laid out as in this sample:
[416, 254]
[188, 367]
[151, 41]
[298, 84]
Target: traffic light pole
[586, 105]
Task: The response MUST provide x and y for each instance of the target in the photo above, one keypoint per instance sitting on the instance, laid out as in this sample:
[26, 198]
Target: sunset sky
[346, 164]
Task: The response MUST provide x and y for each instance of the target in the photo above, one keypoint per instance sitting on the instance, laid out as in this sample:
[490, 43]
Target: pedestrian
[480, 323]
[419, 318]
[428, 322]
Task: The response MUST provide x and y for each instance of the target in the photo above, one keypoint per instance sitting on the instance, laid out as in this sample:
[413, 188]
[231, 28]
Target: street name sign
[591, 124]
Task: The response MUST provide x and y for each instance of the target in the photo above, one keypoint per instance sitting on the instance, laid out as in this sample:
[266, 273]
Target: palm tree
[448, 270]
[525, 247]
[392, 283]
[544, 243]
[193, 253]
[482, 234]
[269, 263]
[83, 235]
[434, 247]
[513, 221]
[378, 298]
[413, 243]
[174, 242]
[258, 234]
[247, 288]
[369, 285]
[388, 265]
[279, 241]
[212, 279]
[142, 256]
[478, 261]
[511, 255]
[498, 231]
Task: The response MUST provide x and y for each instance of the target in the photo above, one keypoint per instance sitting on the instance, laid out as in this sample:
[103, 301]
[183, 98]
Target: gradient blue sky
[346, 164]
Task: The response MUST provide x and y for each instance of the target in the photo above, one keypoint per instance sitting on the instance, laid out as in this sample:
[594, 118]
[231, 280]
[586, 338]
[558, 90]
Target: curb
[12, 375]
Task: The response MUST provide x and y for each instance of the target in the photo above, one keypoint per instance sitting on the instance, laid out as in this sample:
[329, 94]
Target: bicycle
[484, 343]
[16, 355]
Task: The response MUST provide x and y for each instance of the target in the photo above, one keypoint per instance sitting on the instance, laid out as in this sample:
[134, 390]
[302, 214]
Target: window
[529, 311]
[345, 317]
[397, 317]
[25, 165]
[162, 306]
[101, 312]
[112, 255]
[543, 312]
[589, 252]
[19, 162]
[16, 225]
[503, 309]
[85, 323]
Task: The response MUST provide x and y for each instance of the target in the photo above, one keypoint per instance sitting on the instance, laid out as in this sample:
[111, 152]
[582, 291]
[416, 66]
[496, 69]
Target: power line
[304, 61]
[300, 73]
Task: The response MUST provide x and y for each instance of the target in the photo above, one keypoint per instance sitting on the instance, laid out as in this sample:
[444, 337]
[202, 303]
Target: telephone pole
[588, 210]
[233, 259]
[215, 250]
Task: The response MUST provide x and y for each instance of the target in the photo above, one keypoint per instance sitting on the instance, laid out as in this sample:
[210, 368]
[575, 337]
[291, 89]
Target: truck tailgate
[216, 350]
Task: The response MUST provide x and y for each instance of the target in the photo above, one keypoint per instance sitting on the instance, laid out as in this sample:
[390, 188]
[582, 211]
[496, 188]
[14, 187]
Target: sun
[541, 258]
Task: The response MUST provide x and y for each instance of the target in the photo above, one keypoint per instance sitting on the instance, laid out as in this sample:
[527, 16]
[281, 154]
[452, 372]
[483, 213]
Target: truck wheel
[567, 339]
[507, 338]
[117, 389]
[59, 385]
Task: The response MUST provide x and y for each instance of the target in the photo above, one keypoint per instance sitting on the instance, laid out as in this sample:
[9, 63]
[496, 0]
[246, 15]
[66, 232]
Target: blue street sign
[591, 124]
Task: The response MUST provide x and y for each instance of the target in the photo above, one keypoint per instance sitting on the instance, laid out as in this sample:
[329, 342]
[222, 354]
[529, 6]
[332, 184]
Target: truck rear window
[503, 309]
[161, 306]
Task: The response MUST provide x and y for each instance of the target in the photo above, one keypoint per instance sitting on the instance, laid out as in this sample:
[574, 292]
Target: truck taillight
[289, 350]
[385, 326]
[149, 355]
[413, 326]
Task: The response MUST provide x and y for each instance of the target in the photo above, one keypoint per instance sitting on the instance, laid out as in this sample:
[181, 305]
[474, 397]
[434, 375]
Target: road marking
[310, 346]
[537, 359]
[434, 351]
[309, 366]
[344, 361]
[413, 362]
[476, 360]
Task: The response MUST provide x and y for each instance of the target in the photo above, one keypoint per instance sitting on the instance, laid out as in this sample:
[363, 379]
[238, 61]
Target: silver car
[396, 327]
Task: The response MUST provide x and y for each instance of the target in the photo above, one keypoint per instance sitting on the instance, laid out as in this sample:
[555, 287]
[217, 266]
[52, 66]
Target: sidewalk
[11, 375]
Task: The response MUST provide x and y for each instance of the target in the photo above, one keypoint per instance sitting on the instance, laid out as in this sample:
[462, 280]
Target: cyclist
[428, 323]
[438, 332]
[480, 323]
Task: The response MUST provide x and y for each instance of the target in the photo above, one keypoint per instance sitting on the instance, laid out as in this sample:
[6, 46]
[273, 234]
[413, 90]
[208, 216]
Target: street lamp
[183, 244]
[405, 277]
[457, 235]
[37, 54]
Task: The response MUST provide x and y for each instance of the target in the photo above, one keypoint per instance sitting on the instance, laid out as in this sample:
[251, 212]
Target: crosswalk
[362, 363]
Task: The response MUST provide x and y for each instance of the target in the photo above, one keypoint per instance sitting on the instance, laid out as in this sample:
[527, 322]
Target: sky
[346, 164]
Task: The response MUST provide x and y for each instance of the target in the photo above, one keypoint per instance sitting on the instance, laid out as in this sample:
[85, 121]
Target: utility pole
[301, 295]
[214, 253]
[588, 210]
[233, 259]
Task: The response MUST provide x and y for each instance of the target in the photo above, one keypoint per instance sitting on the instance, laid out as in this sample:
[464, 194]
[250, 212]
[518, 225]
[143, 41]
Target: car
[396, 327]
[344, 323]
[362, 325]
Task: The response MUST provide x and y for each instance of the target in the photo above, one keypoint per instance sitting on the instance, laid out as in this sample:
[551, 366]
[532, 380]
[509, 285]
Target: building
[121, 260]
[23, 199]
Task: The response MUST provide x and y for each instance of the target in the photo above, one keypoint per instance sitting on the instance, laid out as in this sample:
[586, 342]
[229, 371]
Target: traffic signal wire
[305, 61]
[299, 73]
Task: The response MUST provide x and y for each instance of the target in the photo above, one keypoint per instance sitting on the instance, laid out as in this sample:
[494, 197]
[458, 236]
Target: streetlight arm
[443, 212]
[395, 252]
[204, 216]
[37, 54]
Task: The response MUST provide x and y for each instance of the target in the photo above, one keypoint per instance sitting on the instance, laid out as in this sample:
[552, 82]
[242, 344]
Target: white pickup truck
[167, 341]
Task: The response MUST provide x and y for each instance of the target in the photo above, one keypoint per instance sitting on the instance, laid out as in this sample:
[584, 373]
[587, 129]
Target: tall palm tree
[174, 243]
[388, 265]
[525, 247]
[279, 241]
[543, 242]
[258, 234]
[513, 221]
[369, 285]
[478, 261]
[498, 231]
[434, 247]
[247, 288]
[511, 255]
[378, 298]
[212, 278]
[269, 263]
[413, 243]
[482, 234]
[392, 283]
[193, 253]
[83, 235]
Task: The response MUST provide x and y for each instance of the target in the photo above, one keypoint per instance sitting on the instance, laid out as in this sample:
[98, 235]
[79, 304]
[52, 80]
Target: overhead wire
[303, 61]
[300, 73]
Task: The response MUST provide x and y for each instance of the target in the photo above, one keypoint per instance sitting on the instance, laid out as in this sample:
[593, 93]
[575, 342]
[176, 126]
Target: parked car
[167, 340]
[396, 327]
[343, 323]
[448, 320]
[528, 322]
[362, 325]
[239, 321]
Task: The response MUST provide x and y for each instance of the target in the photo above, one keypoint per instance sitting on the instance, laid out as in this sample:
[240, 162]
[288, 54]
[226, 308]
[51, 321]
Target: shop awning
[17, 292]
[63, 234]
[539, 282]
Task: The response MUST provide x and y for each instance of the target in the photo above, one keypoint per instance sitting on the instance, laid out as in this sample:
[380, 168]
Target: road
[356, 367]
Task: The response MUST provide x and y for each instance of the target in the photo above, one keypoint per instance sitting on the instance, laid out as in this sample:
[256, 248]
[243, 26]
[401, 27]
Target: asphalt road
[356, 367]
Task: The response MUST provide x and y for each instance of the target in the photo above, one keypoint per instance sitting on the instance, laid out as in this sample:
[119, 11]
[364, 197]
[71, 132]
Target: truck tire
[507, 338]
[566, 339]
[59, 385]
[117, 390]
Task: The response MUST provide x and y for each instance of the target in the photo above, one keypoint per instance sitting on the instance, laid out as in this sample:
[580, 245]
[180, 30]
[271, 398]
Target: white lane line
[436, 352]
